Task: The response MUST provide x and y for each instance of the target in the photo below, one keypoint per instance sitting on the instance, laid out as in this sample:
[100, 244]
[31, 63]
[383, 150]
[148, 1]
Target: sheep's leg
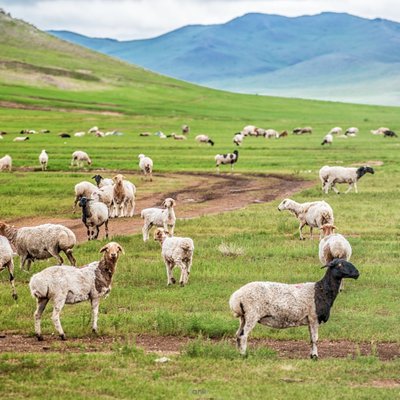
[313, 328]
[95, 313]
[355, 187]
[23, 261]
[351, 185]
[145, 231]
[334, 188]
[58, 306]
[56, 255]
[106, 228]
[41, 305]
[75, 203]
[170, 279]
[171, 230]
[217, 169]
[239, 332]
[70, 257]
[10, 267]
[341, 287]
[311, 233]
[249, 324]
[184, 274]
[96, 235]
[302, 225]
[28, 264]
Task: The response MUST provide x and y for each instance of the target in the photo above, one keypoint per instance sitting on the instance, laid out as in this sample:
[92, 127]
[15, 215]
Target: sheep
[43, 159]
[389, 134]
[94, 215]
[185, 129]
[27, 132]
[238, 139]
[352, 131]
[300, 131]
[6, 163]
[249, 130]
[40, 242]
[204, 139]
[164, 218]
[178, 137]
[330, 176]
[6, 261]
[124, 197]
[93, 129]
[21, 139]
[105, 195]
[337, 130]
[176, 251]
[328, 139]
[79, 157]
[69, 285]
[314, 214]
[83, 189]
[146, 166]
[280, 305]
[333, 245]
[283, 134]
[380, 131]
[101, 182]
[79, 134]
[64, 135]
[145, 134]
[45, 131]
[271, 133]
[230, 158]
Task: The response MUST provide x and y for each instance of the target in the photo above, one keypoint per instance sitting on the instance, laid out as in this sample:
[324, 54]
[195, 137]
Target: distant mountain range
[330, 56]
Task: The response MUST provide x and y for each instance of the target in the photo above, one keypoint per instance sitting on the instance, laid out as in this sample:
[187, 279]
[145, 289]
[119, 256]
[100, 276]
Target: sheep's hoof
[182, 284]
[173, 280]
[94, 331]
[15, 296]
[314, 357]
[39, 338]
[63, 337]
[302, 238]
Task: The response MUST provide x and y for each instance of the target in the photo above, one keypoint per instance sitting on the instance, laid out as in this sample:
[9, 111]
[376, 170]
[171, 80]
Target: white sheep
[185, 129]
[43, 159]
[6, 261]
[40, 242]
[94, 215]
[124, 197]
[146, 166]
[79, 134]
[314, 214]
[230, 158]
[271, 133]
[83, 189]
[105, 195]
[79, 157]
[328, 139]
[176, 252]
[204, 139]
[281, 305]
[93, 129]
[238, 139]
[164, 218]
[70, 285]
[101, 182]
[352, 131]
[6, 163]
[21, 138]
[337, 130]
[249, 130]
[178, 137]
[330, 176]
[380, 131]
[301, 131]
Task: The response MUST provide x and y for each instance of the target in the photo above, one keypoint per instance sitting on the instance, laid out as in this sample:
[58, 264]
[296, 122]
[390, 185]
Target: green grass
[140, 301]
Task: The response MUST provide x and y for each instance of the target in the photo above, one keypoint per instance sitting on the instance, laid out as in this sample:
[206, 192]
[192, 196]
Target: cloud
[134, 19]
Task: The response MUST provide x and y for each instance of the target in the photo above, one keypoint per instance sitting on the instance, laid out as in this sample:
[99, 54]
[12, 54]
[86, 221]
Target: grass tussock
[231, 250]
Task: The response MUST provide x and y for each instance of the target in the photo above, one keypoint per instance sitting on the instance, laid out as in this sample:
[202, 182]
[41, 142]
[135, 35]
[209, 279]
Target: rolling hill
[330, 56]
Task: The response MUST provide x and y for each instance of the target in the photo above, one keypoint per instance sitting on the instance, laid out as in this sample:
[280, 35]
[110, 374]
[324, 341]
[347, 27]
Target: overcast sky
[138, 19]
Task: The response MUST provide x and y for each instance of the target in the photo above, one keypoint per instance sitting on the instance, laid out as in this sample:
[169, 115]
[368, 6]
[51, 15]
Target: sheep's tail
[38, 288]
[142, 214]
[236, 306]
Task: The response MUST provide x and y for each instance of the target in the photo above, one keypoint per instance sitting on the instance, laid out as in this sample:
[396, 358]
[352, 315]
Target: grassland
[367, 311]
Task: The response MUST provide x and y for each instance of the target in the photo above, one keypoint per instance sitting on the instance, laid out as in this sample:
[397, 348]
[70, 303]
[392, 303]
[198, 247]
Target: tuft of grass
[230, 250]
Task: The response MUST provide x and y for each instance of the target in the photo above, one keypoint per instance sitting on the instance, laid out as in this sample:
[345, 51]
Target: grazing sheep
[159, 217]
[124, 197]
[178, 137]
[185, 129]
[314, 214]
[64, 135]
[328, 139]
[380, 131]
[389, 134]
[337, 130]
[100, 181]
[93, 129]
[283, 134]
[43, 159]
[176, 252]
[301, 131]
[6, 261]
[238, 139]
[105, 195]
[145, 134]
[21, 139]
[271, 133]
[249, 130]
[83, 189]
[146, 166]
[40, 242]
[69, 285]
[230, 158]
[204, 139]
[330, 176]
[94, 215]
[280, 305]
[352, 131]
[79, 157]
[44, 131]
[79, 134]
[27, 132]
[6, 163]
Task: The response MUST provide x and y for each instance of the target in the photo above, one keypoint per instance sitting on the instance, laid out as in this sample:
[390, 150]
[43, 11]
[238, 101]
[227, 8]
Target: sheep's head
[140, 156]
[97, 179]
[159, 235]
[89, 161]
[363, 170]
[112, 251]
[284, 204]
[169, 202]
[327, 229]
[341, 268]
[3, 226]
[83, 201]
[118, 178]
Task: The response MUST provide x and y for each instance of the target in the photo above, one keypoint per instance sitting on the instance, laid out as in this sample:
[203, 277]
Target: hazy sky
[137, 19]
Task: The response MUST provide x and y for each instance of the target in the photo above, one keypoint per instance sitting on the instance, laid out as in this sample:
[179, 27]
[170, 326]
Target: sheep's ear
[121, 249]
[104, 248]
[163, 204]
[173, 203]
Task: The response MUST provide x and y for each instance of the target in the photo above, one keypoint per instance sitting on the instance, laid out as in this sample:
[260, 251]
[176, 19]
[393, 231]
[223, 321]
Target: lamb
[249, 130]
[328, 139]
[380, 131]
[21, 139]
[94, 215]
[43, 159]
[281, 305]
[271, 133]
[146, 166]
[204, 139]
[176, 251]
[283, 134]
[101, 182]
[230, 158]
[330, 176]
[79, 157]
[352, 131]
[337, 130]
[105, 195]
[40, 242]
[6, 261]
[124, 197]
[69, 285]
[314, 214]
[6, 163]
[159, 217]
[83, 189]
[238, 139]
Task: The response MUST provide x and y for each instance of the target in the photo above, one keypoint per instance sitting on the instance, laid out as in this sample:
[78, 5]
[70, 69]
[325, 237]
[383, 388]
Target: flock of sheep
[273, 304]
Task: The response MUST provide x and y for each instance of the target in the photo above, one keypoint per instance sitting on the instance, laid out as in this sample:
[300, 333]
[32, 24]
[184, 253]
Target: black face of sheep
[363, 170]
[97, 178]
[83, 202]
[341, 268]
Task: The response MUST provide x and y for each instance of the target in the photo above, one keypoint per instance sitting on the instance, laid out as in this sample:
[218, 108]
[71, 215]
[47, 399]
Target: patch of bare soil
[206, 194]
[287, 349]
